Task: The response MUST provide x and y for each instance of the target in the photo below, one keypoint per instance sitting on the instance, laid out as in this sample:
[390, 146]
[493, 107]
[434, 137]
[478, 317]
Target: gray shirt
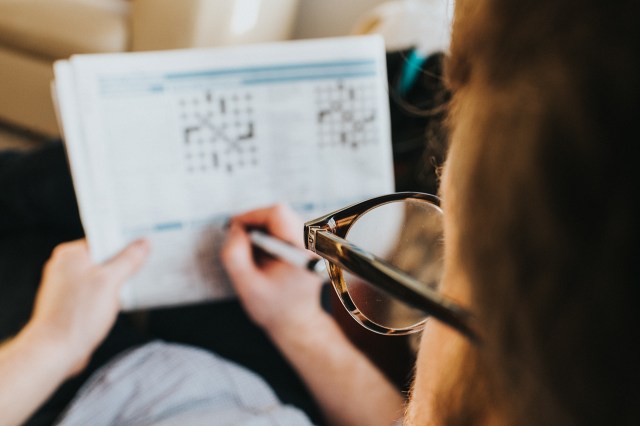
[170, 384]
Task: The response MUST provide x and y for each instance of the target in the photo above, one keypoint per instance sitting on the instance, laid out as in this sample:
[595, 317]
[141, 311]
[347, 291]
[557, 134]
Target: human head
[541, 207]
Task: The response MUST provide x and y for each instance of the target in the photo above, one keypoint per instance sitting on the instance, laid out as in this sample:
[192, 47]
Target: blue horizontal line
[168, 226]
[311, 65]
[307, 77]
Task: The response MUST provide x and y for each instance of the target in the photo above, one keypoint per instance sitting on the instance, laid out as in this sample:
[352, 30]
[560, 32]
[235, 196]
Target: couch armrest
[173, 24]
[56, 29]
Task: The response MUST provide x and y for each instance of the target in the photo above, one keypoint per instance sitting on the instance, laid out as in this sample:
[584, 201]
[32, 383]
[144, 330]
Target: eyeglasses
[384, 258]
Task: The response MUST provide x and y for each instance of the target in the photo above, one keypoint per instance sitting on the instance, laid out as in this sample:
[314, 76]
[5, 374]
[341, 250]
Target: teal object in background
[410, 71]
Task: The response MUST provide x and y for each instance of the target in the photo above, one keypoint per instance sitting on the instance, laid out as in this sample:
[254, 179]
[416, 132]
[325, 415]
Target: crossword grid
[218, 131]
[218, 126]
[346, 114]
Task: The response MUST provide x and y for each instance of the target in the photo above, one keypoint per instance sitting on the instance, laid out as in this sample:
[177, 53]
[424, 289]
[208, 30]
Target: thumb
[127, 262]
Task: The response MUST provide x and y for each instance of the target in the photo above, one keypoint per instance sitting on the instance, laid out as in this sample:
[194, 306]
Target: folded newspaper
[168, 145]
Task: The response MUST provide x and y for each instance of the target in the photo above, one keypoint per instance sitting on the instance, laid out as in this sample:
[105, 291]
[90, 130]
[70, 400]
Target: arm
[75, 308]
[32, 365]
[285, 302]
[348, 387]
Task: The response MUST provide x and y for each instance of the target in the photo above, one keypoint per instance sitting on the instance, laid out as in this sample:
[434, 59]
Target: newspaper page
[168, 145]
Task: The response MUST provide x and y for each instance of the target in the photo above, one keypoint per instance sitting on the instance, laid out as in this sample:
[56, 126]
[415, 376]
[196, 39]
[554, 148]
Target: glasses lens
[408, 235]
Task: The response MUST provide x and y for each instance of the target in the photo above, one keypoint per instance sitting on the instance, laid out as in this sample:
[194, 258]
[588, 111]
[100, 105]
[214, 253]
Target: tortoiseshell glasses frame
[326, 235]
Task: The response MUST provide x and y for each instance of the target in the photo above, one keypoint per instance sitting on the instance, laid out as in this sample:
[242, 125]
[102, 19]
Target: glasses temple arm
[392, 280]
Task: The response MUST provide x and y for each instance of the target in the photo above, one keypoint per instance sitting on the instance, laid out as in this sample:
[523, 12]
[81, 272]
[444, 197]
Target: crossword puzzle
[346, 114]
[218, 131]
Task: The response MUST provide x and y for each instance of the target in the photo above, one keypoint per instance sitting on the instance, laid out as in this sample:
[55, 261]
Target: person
[540, 231]
[540, 228]
[65, 329]
[38, 210]
[541, 207]
[77, 303]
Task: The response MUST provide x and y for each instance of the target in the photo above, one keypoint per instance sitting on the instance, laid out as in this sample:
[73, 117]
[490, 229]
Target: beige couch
[34, 33]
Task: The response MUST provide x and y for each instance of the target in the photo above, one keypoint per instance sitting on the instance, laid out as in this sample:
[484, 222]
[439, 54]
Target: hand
[78, 300]
[285, 301]
[275, 294]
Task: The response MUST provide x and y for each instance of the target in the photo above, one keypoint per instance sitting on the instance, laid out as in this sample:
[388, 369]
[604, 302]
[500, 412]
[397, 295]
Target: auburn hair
[545, 116]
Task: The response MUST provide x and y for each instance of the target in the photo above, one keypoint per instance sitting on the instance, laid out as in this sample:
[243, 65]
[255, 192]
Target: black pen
[288, 252]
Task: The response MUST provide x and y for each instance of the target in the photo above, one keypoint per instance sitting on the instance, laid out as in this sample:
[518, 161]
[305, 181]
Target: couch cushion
[55, 29]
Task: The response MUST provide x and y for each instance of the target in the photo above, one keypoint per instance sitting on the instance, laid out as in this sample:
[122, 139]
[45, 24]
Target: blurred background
[35, 33]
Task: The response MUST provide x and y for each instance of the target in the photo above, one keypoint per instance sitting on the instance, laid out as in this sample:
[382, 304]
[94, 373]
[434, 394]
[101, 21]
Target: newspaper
[168, 145]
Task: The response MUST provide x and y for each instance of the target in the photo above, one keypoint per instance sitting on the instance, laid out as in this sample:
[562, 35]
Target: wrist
[316, 330]
[55, 347]
[32, 366]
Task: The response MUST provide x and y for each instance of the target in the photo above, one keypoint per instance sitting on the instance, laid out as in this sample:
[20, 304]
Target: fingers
[279, 220]
[237, 254]
[127, 262]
